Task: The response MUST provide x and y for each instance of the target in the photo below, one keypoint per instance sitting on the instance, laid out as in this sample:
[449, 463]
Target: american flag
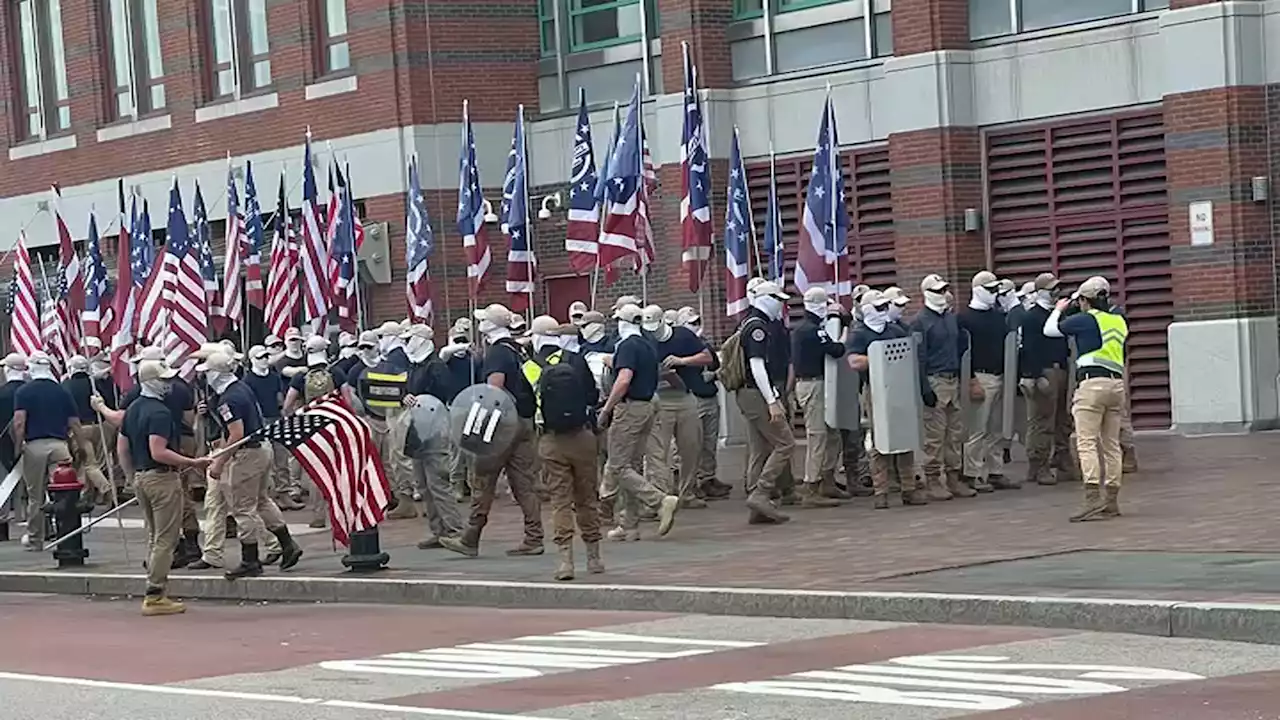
[98, 313]
[695, 182]
[644, 241]
[737, 234]
[153, 309]
[773, 232]
[134, 256]
[50, 331]
[471, 226]
[315, 255]
[825, 220]
[24, 332]
[419, 242]
[188, 307]
[582, 234]
[624, 227]
[337, 451]
[70, 302]
[252, 240]
[283, 291]
[203, 242]
[343, 252]
[233, 301]
[521, 263]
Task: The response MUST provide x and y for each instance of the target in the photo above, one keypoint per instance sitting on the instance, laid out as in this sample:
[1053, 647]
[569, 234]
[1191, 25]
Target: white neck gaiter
[1044, 298]
[370, 357]
[14, 375]
[593, 332]
[817, 308]
[874, 318]
[770, 306]
[570, 343]
[41, 372]
[982, 299]
[293, 351]
[156, 389]
[219, 381]
[545, 341]
[346, 352]
[419, 349]
[626, 330]
[1008, 301]
[494, 333]
[936, 301]
[895, 312]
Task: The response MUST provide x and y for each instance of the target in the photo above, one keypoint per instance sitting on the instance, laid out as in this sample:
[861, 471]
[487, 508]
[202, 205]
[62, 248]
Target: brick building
[1080, 134]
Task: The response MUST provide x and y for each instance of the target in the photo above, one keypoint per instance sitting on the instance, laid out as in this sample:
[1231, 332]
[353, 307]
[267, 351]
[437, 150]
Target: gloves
[930, 398]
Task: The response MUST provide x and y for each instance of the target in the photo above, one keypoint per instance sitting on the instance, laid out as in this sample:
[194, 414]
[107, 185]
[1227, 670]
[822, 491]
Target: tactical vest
[1114, 331]
[383, 389]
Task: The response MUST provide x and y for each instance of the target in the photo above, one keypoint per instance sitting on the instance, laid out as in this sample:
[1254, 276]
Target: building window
[601, 23]
[748, 9]
[547, 27]
[335, 48]
[992, 18]
[42, 69]
[238, 44]
[786, 5]
[137, 70]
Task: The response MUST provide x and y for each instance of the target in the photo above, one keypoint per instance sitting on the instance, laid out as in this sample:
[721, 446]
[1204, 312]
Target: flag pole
[642, 187]
[773, 209]
[528, 218]
[834, 168]
[751, 218]
[241, 284]
[355, 256]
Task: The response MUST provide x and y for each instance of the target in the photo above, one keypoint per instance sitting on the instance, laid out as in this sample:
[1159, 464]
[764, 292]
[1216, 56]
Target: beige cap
[389, 328]
[933, 283]
[462, 324]
[593, 316]
[896, 295]
[418, 330]
[150, 352]
[15, 361]
[292, 334]
[1046, 281]
[497, 313]
[346, 339]
[629, 313]
[156, 370]
[768, 288]
[669, 316]
[1027, 288]
[317, 344]
[544, 325]
[651, 318]
[218, 362]
[858, 290]
[1007, 286]
[368, 338]
[258, 352]
[78, 363]
[517, 322]
[874, 297]
[92, 341]
[577, 309]
[985, 279]
[272, 340]
[626, 300]
[1093, 287]
[815, 295]
[687, 316]
[754, 283]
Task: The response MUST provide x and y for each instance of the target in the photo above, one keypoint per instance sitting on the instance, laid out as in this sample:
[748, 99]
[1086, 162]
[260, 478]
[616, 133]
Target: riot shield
[1072, 354]
[895, 396]
[1009, 419]
[428, 431]
[841, 387]
[483, 422]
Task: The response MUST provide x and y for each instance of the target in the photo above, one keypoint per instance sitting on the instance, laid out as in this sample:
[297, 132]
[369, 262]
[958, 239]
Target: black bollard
[365, 553]
[64, 512]
[4, 530]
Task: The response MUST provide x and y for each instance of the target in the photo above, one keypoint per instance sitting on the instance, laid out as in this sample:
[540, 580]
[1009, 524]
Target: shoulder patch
[225, 411]
[758, 334]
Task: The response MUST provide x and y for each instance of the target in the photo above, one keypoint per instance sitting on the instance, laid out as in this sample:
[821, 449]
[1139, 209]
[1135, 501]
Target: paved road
[75, 659]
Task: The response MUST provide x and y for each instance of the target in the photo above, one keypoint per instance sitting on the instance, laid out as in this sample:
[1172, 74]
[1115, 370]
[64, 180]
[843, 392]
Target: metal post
[528, 218]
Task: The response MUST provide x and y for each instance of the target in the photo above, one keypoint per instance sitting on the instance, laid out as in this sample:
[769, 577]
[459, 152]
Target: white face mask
[218, 380]
[12, 375]
[769, 305]
[155, 388]
[260, 366]
[593, 333]
[369, 356]
[1044, 298]
[99, 370]
[387, 344]
[875, 318]
[1008, 301]
[817, 308]
[419, 349]
[937, 301]
[545, 341]
[983, 299]
[41, 372]
[895, 312]
[346, 352]
[626, 329]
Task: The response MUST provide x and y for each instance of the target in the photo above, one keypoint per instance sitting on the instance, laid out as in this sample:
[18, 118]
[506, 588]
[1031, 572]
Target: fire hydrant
[64, 512]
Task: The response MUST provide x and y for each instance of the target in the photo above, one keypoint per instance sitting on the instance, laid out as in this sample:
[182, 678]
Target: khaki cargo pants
[39, 457]
[627, 439]
[1048, 423]
[770, 443]
[248, 476]
[822, 443]
[569, 461]
[675, 417]
[161, 498]
[520, 464]
[983, 452]
[886, 469]
[1098, 409]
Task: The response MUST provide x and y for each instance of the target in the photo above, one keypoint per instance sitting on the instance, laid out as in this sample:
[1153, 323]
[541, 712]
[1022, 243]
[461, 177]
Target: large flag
[252, 240]
[283, 292]
[336, 449]
[420, 243]
[520, 259]
[343, 252]
[24, 330]
[153, 308]
[695, 184]
[70, 290]
[471, 226]
[824, 221]
[98, 314]
[737, 234]
[623, 225]
[773, 248]
[582, 234]
[202, 242]
[233, 300]
[188, 307]
[315, 254]
[134, 257]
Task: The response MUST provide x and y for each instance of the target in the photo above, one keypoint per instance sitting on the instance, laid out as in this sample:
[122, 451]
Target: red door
[564, 291]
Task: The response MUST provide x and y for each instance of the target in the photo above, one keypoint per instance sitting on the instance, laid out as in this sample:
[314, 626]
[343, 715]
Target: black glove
[930, 398]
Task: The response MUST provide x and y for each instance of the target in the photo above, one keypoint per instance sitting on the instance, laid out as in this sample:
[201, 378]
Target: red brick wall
[702, 24]
[924, 25]
[1175, 4]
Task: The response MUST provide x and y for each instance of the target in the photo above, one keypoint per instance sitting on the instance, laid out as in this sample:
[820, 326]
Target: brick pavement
[1192, 495]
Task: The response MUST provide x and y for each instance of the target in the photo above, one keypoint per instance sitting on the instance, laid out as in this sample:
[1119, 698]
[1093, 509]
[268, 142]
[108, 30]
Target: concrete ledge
[1216, 621]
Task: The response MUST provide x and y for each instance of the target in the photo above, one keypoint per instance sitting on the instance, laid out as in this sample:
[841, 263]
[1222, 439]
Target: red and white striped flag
[582, 234]
[472, 211]
[69, 290]
[133, 256]
[153, 310]
[188, 305]
[24, 330]
[315, 251]
[232, 299]
[337, 450]
[282, 289]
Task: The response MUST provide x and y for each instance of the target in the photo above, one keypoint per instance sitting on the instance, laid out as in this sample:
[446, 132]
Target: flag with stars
[337, 450]
[134, 255]
[737, 234]
[231, 309]
[773, 247]
[202, 238]
[471, 212]
[24, 328]
[188, 306]
[98, 313]
[345, 294]
[623, 225]
[695, 181]
[520, 259]
[159, 271]
[314, 251]
[824, 221]
[419, 243]
[583, 230]
[71, 288]
[283, 291]
[252, 241]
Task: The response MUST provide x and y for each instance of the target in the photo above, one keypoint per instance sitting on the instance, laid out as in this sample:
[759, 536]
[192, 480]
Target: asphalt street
[98, 659]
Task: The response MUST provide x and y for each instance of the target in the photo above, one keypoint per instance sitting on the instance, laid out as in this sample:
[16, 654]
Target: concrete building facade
[1127, 138]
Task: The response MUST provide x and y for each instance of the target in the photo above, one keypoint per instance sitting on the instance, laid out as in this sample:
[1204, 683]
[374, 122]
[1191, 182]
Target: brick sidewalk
[1207, 495]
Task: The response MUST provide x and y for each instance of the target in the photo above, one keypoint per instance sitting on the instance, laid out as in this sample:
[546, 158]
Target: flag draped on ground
[314, 253]
[98, 314]
[582, 234]
[252, 240]
[24, 331]
[695, 184]
[337, 450]
[824, 220]
[737, 234]
[188, 308]
[283, 291]
[520, 259]
[471, 211]
[420, 243]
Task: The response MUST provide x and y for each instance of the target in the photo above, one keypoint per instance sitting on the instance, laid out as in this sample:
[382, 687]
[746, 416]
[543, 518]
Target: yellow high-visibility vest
[1114, 331]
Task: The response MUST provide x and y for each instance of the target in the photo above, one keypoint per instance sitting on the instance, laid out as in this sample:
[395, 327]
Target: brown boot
[762, 509]
[1000, 482]
[1112, 493]
[595, 565]
[406, 510]
[1093, 506]
[937, 489]
[1129, 460]
[565, 570]
[811, 497]
[914, 497]
[882, 502]
[959, 488]
[829, 489]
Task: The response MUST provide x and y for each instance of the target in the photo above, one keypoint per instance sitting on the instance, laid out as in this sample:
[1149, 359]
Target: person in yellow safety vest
[1100, 332]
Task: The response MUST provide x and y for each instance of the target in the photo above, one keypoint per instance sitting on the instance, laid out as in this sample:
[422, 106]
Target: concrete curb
[1214, 621]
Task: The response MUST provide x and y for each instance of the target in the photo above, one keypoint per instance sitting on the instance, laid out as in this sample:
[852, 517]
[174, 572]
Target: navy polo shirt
[144, 418]
[638, 355]
[50, 409]
[238, 402]
[682, 343]
[502, 358]
[762, 338]
[268, 389]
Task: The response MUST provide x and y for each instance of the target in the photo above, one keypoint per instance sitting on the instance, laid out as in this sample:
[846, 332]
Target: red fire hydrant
[64, 512]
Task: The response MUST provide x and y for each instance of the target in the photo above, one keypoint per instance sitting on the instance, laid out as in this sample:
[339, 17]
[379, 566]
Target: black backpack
[563, 399]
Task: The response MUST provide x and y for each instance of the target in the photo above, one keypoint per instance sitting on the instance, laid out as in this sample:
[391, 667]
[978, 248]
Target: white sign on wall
[1201, 223]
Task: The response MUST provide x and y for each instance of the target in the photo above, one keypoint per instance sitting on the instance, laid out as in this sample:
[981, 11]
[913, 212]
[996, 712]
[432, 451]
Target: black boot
[188, 550]
[250, 565]
[290, 552]
[232, 529]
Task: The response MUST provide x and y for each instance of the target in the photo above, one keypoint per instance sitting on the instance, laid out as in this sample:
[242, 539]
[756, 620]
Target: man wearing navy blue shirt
[681, 357]
[810, 348]
[269, 388]
[43, 419]
[770, 440]
[707, 394]
[88, 438]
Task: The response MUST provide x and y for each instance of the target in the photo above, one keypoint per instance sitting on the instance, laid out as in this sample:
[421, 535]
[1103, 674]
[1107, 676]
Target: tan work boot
[811, 497]
[762, 510]
[1112, 493]
[621, 534]
[565, 570]
[156, 605]
[1093, 506]
[828, 488]
[595, 565]
[406, 510]
[937, 489]
[914, 497]
[1128, 460]
[959, 488]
